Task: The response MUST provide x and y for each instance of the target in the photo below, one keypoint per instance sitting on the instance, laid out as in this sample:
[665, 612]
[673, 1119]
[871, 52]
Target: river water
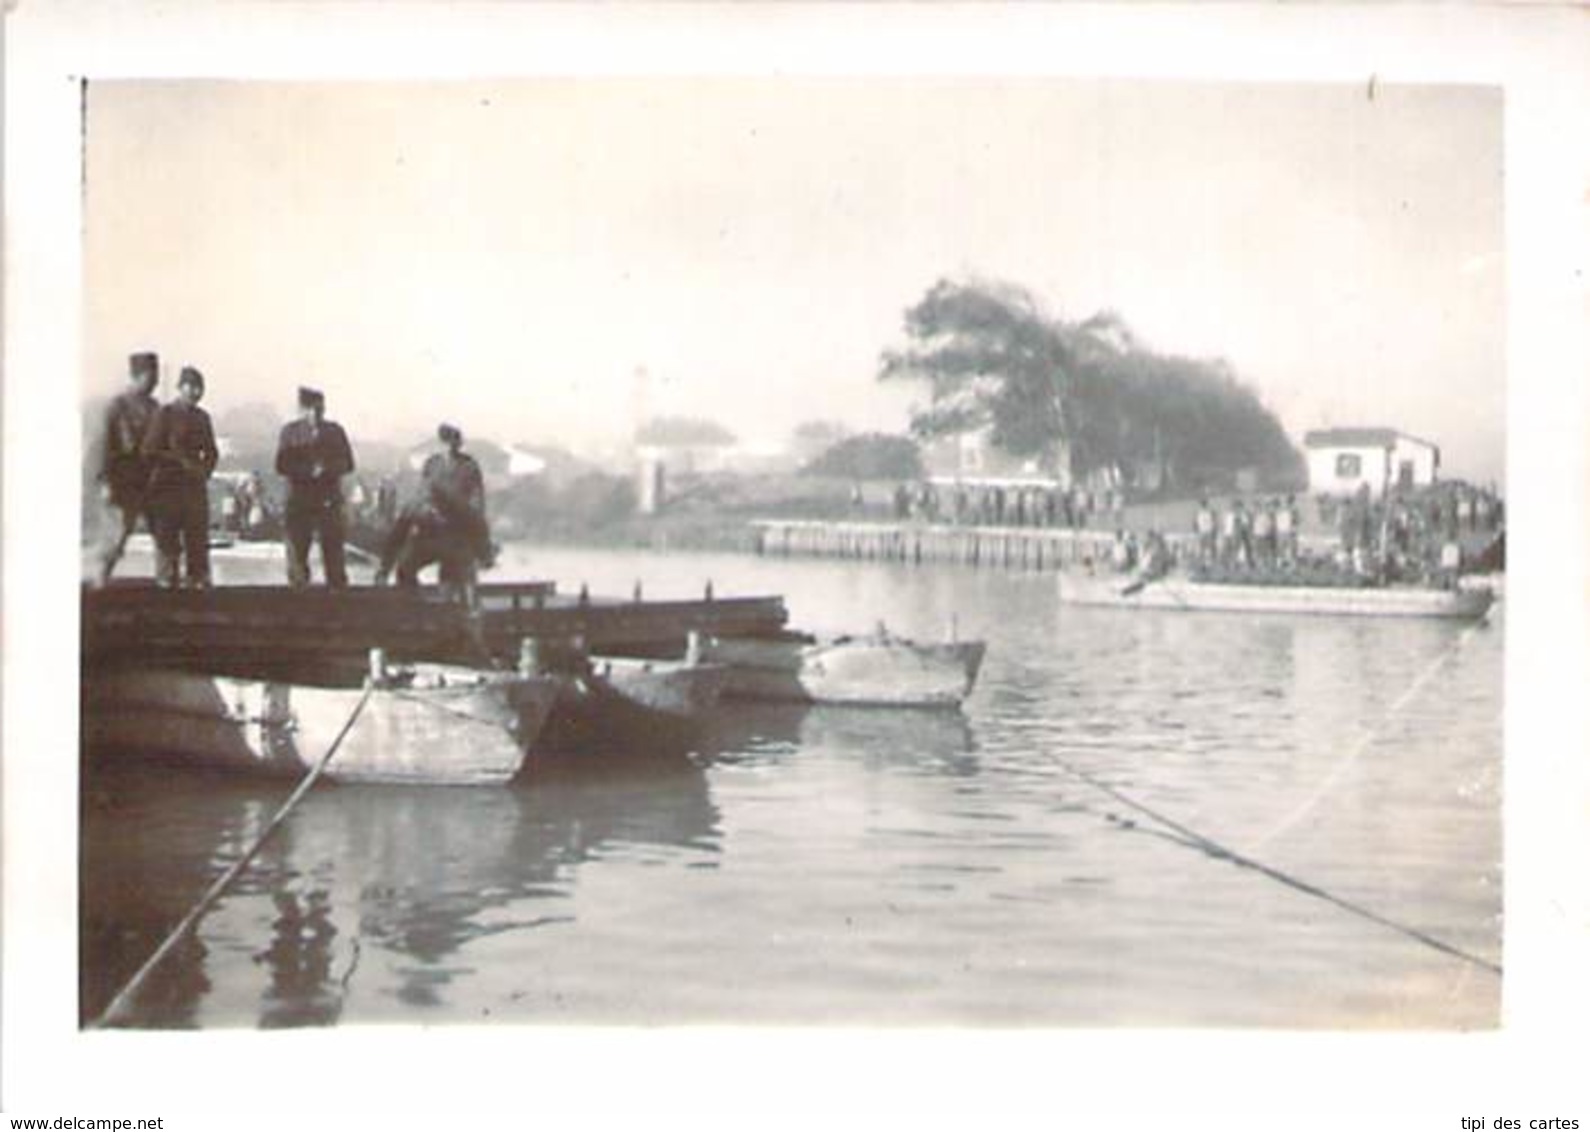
[1002, 866]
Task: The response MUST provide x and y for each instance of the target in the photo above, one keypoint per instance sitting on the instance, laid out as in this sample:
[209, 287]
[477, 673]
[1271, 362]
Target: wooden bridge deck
[275, 627]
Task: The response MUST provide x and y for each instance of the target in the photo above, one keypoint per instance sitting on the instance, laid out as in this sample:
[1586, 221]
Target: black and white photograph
[772, 548]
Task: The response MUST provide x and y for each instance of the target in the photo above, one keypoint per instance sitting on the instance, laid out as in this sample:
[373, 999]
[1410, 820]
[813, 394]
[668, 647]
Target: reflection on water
[412, 873]
[848, 865]
[922, 742]
[299, 961]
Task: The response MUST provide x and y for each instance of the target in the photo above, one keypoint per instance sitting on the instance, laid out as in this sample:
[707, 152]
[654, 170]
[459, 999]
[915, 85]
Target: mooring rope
[128, 992]
[1197, 840]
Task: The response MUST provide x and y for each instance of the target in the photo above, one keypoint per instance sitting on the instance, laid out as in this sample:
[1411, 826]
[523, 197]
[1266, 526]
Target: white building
[973, 457]
[524, 463]
[1341, 460]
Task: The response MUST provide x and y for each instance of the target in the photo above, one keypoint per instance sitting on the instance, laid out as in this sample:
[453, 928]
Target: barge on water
[1182, 593]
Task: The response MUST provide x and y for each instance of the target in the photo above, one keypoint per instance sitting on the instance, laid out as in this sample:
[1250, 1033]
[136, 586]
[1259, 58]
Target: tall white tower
[639, 400]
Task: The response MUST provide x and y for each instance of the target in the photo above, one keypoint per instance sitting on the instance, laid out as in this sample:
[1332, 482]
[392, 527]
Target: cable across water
[1193, 839]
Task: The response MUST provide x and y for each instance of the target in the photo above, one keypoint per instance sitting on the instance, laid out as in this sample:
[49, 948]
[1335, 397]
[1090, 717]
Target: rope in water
[125, 996]
[1197, 840]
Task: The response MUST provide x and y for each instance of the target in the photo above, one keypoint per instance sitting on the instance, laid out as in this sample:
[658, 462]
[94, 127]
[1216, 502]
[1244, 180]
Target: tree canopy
[819, 434]
[869, 456]
[1087, 395]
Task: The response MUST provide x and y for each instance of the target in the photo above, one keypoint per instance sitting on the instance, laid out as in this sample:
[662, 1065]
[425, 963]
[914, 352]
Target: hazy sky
[506, 254]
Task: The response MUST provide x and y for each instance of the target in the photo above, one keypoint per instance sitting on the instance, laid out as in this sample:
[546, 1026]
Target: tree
[991, 361]
[1088, 395]
[811, 439]
[869, 456]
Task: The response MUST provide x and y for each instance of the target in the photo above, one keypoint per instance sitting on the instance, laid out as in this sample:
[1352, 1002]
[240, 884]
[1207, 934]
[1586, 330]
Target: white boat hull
[448, 726]
[1180, 593]
[883, 672]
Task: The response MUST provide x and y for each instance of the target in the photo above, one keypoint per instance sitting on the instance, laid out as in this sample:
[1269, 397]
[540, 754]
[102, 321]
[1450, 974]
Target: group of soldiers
[1262, 536]
[1407, 533]
[158, 460]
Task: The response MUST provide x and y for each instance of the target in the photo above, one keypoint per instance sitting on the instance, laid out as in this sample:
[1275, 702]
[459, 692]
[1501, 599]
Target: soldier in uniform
[123, 473]
[457, 490]
[446, 525]
[180, 451]
[1262, 522]
[1204, 526]
[1286, 522]
[313, 455]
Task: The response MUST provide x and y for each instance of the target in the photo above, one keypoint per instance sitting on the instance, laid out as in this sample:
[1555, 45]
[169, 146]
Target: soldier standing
[313, 455]
[1263, 523]
[457, 490]
[1286, 520]
[180, 451]
[1204, 525]
[1242, 528]
[124, 474]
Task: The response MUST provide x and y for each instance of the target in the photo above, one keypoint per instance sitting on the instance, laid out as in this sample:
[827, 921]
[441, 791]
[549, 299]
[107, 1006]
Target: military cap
[145, 361]
[190, 376]
[448, 433]
[310, 398]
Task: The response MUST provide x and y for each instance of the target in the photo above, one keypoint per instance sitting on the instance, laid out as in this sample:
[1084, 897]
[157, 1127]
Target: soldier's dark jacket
[455, 485]
[179, 446]
[314, 460]
[127, 421]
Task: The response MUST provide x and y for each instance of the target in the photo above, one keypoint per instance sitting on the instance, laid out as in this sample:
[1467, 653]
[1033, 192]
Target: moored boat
[1179, 592]
[681, 689]
[618, 704]
[429, 723]
[880, 670]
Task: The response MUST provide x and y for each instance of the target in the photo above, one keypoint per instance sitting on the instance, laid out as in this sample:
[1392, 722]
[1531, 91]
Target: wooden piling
[1010, 548]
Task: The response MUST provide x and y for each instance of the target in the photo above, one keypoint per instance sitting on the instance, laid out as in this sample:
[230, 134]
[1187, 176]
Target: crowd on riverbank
[1427, 534]
[1008, 505]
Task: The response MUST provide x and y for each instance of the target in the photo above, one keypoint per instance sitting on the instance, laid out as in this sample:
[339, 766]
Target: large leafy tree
[869, 456]
[1087, 390]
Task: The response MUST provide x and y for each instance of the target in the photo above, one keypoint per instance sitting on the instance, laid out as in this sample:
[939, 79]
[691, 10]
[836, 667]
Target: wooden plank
[284, 624]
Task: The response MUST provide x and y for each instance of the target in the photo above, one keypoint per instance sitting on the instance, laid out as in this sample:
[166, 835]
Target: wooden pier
[277, 629]
[1012, 548]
